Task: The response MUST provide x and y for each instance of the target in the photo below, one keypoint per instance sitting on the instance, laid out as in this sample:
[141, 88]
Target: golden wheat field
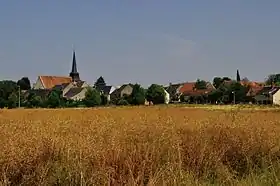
[139, 146]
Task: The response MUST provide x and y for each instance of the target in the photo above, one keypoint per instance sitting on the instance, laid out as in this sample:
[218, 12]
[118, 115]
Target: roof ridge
[54, 76]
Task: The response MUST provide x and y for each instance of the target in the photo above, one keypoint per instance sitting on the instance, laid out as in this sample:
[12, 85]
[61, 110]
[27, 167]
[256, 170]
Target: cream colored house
[79, 84]
[124, 90]
[276, 97]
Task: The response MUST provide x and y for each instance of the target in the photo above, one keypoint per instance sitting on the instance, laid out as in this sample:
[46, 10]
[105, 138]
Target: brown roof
[73, 91]
[187, 87]
[252, 83]
[197, 92]
[51, 81]
[254, 91]
[190, 87]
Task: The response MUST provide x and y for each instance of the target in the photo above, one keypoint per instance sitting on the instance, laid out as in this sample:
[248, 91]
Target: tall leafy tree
[200, 84]
[13, 100]
[229, 92]
[92, 98]
[7, 87]
[137, 96]
[24, 83]
[217, 81]
[273, 79]
[54, 100]
[34, 101]
[156, 94]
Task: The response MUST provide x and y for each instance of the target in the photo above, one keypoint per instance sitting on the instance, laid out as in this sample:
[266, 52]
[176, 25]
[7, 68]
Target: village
[73, 90]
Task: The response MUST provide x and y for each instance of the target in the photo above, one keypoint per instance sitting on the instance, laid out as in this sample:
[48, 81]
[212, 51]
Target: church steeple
[74, 74]
[238, 76]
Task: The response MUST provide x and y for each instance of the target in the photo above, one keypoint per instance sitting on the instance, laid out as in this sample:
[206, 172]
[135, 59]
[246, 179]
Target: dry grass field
[139, 146]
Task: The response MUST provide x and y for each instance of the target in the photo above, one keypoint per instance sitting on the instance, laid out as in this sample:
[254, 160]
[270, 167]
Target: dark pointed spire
[74, 72]
[74, 63]
[238, 79]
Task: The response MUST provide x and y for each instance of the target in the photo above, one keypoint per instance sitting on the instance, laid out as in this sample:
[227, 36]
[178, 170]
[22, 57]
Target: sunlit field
[165, 145]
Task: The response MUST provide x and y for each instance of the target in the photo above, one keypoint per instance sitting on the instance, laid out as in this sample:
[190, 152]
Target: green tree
[104, 99]
[226, 79]
[24, 83]
[227, 93]
[156, 94]
[34, 101]
[53, 100]
[92, 98]
[13, 100]
[6, 88]
[273, 79]
[137, 96]
[200, 84]
[238, 92]
[123, 102]
[3, 102]
[217, 81]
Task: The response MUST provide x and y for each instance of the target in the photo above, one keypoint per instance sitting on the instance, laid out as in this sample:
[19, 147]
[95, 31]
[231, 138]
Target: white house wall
[38, 84]
[166, 97]
[276, 98]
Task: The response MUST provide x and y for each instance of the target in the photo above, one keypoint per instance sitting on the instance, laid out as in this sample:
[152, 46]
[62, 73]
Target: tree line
[12, 94]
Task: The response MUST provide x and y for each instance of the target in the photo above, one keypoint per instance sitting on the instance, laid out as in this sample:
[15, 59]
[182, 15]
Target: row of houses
[257, 91]
[74, 88]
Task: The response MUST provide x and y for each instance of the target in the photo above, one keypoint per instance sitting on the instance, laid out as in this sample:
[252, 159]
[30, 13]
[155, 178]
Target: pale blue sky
[145, 41]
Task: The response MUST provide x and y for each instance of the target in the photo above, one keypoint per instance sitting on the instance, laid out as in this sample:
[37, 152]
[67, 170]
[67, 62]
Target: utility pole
[233, 97]
[18, 96]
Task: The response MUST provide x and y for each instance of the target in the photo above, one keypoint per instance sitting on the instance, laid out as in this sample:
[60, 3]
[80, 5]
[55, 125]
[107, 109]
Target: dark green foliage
[104, 99]
[34, 101]
[200, 84]
[6, 88]
[123, 102]
[92, 98]
[13, 100]
[137, 96]
[273, 79]
[226, 79]
[156, 94]
[72, 103]
[24, 83]
[217, 81]
[3, 102]
[54, 100]
[226, 93]
[8, 94]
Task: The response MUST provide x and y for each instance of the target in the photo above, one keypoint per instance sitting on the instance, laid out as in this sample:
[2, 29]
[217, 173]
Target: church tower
[74, 74]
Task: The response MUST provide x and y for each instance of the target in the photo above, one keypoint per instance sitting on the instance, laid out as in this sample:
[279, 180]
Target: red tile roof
[254, 90]
[197, 92]
[51, 81]
[252, 83]
[187, 87]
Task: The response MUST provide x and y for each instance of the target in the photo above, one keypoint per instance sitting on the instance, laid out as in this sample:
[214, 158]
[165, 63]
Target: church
[72, 86]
